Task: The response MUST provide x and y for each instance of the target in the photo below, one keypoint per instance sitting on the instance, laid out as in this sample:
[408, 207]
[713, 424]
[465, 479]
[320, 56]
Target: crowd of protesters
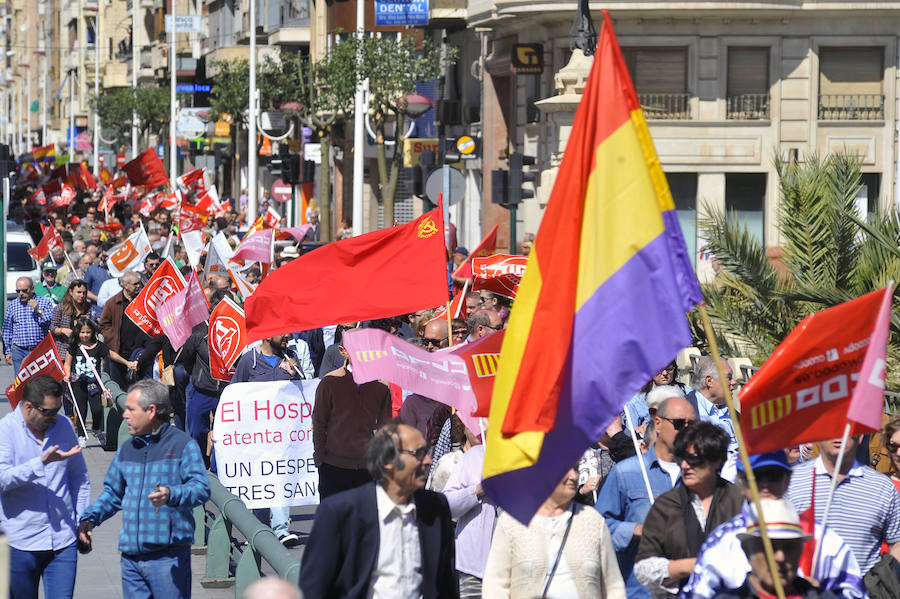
[658, 507]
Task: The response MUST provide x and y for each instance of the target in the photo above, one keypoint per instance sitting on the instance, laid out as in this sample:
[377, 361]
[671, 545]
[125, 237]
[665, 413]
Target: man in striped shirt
[866, 506]
[25, 323]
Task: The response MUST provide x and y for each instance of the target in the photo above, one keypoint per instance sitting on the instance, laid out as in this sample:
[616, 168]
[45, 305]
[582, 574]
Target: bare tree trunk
[325, 224]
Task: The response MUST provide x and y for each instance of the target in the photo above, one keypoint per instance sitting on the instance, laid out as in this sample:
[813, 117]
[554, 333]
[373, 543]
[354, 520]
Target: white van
[19, 262]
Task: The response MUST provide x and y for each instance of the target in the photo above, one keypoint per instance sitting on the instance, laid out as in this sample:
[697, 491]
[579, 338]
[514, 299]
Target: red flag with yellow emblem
[380, 274]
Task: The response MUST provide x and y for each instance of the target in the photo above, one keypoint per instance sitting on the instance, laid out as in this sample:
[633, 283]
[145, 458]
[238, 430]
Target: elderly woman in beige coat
[564, 552]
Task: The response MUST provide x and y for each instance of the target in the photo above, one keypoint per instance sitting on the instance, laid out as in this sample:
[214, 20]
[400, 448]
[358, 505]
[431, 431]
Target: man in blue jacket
[156, 479]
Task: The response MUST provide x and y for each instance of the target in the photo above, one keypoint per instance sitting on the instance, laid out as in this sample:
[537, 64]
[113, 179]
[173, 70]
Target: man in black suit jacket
[366, 537]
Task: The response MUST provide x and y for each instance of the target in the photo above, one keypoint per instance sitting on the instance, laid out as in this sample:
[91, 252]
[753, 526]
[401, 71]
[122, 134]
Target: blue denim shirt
[623, 502]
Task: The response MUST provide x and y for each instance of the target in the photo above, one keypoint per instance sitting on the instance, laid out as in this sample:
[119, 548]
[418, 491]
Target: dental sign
[412, 12]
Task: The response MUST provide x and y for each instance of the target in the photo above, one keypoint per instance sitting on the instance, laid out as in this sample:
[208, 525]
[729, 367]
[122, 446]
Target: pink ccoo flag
[179, 314]
[867, 403]
[256, 247]
[297, 233]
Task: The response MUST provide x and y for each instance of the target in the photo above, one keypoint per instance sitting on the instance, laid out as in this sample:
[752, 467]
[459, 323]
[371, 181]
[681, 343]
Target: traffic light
[276, 166]
[517, 178]
[414, 180]
[6, 163]
[500, 187]
[290, 167]
[309, 171]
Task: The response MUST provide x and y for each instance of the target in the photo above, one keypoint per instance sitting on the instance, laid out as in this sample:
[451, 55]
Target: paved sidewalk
[99, 573]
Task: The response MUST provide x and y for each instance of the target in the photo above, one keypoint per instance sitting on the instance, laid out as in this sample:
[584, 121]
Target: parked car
[19, 262]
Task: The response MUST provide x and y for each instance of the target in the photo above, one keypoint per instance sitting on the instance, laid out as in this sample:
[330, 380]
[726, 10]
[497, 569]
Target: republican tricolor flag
[601, 306]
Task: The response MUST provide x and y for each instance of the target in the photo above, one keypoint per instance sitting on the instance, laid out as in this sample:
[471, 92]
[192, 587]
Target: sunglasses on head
[678, 423]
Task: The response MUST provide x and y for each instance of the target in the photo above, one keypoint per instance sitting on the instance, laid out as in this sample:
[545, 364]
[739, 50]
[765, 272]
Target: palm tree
[829, 256]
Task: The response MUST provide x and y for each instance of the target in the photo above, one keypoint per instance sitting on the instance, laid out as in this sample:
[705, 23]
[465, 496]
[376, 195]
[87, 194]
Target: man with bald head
[271, 587]
[623, 499]
[25, 323]
[435, 334]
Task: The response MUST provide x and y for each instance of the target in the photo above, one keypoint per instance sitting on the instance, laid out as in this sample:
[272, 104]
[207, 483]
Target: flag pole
[640, 457]
[77, 409]
[742, 449]
[834, 483]
[449, 325]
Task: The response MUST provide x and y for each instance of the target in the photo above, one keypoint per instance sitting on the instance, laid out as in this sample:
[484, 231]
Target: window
[660, 79]
[684, 191]
[867, 196]
[745, 199]
[748, 83]
[850, 83]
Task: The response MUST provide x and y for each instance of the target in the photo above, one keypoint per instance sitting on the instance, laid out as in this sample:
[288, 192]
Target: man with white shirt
[390, 538]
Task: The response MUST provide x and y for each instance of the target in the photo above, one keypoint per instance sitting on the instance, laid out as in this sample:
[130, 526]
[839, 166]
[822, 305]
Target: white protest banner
[441, 376]
[264, 447]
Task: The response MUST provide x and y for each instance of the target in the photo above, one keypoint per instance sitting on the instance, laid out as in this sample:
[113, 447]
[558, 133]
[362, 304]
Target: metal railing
[748, 107]
[222, 549]
[665, 106]
[851, 107]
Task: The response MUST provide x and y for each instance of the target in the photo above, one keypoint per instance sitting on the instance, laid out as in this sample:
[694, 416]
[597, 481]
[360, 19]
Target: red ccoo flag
[829, 371]
[50, 240]
[147, 170]
[384, 273]
[227, 338]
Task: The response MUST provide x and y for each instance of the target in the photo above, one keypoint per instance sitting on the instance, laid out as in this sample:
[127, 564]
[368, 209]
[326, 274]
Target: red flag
[804, 390]
[50, 240]
[208, 200]
[171, 201]
[481, 358]
[147, 170]
[111, 228]
[150, 203]
[384, 273]
[43, 359]
[499, 274]
[272, 218]
[64, 198]
[105, 175]
[107, 201]
[190, 181]
[457, 307]
[487, 247]
[190, 219]
[38, 197]
[227, 339]
[164, 283]
[52, 187]
[120, 182]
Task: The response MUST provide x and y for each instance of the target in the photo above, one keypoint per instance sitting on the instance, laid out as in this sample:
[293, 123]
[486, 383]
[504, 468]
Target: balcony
[666, 106]
[851, 107]
[748, 107]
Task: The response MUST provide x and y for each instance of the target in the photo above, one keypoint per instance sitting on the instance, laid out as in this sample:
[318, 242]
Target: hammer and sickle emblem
[426, 228]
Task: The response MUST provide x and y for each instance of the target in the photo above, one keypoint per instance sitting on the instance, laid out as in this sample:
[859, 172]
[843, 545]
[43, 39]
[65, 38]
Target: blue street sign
[401, 12]
[192, 88]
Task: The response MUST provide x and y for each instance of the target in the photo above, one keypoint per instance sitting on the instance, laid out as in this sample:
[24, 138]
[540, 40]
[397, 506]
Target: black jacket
[342, 548]
[195, 358]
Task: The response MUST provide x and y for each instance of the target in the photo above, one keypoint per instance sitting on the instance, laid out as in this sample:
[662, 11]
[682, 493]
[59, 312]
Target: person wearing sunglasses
[721, 564]
[681, 519]
[44, 485]
[25, 323]
[623, 500]
[387, 538]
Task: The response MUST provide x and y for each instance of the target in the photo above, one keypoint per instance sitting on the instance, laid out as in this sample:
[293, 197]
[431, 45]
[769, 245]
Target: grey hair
[706, 366]
[658, 394]
[382, 449]
[479, 317]
[663, 408]
[28, 279]
[153, 393]
[130, 275]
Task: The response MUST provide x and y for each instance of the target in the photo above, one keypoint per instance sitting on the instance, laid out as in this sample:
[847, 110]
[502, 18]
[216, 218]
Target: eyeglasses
[678, 423]
[892, 447]
[419, 453]
[432, 342]
[460, 332]
[46, 411]
[482, 299]
[693, 460]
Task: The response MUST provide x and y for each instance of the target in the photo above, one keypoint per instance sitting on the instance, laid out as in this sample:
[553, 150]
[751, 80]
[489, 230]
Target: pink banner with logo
[257, 247]
[441, 376]
[170, 315]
